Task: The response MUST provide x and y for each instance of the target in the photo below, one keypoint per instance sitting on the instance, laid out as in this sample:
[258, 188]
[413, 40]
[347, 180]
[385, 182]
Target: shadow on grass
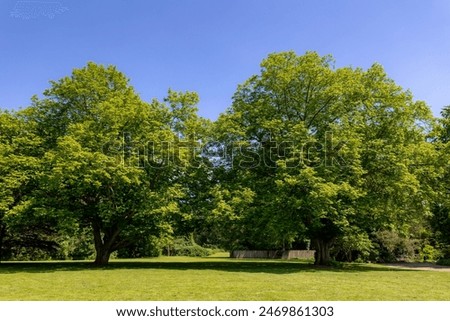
[230, 265]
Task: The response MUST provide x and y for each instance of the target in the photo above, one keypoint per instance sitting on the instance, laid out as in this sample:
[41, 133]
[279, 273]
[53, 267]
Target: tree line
[340, 160]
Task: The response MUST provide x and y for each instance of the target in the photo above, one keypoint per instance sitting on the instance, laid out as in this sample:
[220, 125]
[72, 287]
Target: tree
[398, 159]
[20, 170]
[326, 148]
[207, 202]
[111, 158]
[440, 221]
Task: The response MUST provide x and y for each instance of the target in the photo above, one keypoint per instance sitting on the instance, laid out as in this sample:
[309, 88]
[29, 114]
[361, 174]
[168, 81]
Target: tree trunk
[322, 254]
[103, 246]
[102, 256]
[2, 235]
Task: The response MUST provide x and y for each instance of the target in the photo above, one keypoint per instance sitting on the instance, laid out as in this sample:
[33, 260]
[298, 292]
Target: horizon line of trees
[339, 160]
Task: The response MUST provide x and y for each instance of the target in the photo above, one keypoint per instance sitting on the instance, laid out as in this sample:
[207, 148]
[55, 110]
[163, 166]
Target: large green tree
[326, 149]
[112, 160]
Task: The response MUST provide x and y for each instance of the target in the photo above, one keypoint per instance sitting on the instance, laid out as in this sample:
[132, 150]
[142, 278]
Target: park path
[419, 266]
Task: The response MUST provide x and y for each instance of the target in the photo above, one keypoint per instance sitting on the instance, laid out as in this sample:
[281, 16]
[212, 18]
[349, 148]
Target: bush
[445, 251]
[188, 247]
[391, 247]
[147, 247]
[31, 254]
[192, 250]
[444, 258]
[429, 254]
[445, 262]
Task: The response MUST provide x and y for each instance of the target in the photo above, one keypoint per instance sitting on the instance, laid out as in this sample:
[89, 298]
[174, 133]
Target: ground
[420, 266]
[219, 279]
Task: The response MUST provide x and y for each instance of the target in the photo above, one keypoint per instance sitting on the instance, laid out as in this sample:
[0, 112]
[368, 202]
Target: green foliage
[188, 247]
[354, 245]
[392, 247]
[113, 162]
[151, 246]
[429, 253]
[21, 230]
[440, 219]
[191, 250]
[76, 245]
[325, 148]
[341, 158]
[30, 238]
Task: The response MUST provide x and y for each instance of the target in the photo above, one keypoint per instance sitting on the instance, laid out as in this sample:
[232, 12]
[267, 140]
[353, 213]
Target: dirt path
[419, 266]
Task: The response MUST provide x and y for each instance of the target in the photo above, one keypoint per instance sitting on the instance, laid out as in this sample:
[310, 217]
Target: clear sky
[210, 46]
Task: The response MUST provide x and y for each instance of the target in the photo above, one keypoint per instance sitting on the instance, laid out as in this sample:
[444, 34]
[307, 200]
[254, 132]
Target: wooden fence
[298, 254]
[291, 254]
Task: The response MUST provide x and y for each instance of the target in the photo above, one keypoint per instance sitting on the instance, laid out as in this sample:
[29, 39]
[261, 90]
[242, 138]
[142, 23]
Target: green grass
[215, 278]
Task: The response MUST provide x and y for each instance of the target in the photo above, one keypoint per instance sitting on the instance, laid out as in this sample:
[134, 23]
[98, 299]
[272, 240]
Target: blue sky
[210, 46]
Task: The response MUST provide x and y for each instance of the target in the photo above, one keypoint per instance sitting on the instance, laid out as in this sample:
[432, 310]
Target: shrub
[147, 247]
[445, 251]
[392, 247]
[192, 250]
[31, 254]
[188, 247]
[429, 254]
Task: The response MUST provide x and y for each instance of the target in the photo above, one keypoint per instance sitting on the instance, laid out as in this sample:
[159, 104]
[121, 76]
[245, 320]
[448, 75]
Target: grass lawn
[215, 278]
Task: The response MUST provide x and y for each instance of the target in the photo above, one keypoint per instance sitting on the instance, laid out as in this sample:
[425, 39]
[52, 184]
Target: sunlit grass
[215, 278]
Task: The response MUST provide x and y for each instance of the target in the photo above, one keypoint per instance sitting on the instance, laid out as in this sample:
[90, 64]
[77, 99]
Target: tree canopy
[327, 150]
[307, 155]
